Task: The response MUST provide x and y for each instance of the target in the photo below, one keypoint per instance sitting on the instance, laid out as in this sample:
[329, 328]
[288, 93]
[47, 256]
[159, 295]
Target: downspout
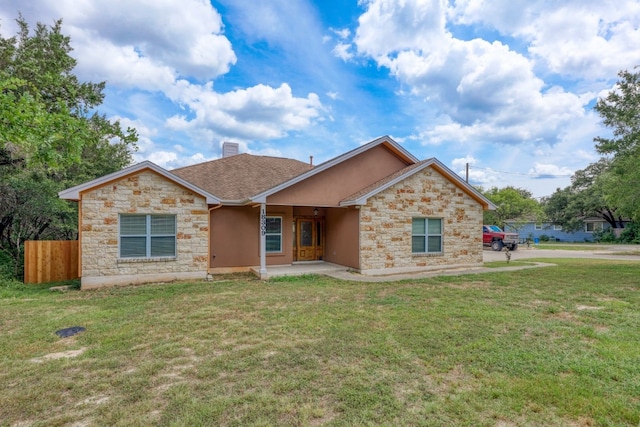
[263, 241]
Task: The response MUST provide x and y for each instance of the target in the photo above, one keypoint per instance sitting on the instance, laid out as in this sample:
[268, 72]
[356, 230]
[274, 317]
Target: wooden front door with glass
[309, 239]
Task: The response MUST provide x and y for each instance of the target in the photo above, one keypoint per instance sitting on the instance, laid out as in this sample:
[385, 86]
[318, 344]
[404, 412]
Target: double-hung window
[273, 234]
[147, 236]
[426, 235]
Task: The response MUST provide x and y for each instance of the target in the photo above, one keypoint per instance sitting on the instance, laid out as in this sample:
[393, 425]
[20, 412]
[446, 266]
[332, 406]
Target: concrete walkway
[616, 252]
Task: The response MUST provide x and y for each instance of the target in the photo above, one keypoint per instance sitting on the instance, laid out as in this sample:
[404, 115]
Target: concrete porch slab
[301, 268]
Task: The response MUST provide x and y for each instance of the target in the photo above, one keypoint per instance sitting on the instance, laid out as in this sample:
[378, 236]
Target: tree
[585, 197]
[620, 111]
[51, 137]
[514, 204]
[46, 115]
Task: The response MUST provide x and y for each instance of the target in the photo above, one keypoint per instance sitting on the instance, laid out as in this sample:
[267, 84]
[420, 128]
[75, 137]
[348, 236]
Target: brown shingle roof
[241, 176]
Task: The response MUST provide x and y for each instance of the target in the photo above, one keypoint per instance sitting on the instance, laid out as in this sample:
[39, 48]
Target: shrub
[631, 233]
[604, 236]
[7, 266]
[544, 238]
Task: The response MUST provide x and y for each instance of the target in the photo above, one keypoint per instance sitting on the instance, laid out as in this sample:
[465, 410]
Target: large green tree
[620, 111]
[47, 115]
[516, 205]
[51, 137]
[585, 197]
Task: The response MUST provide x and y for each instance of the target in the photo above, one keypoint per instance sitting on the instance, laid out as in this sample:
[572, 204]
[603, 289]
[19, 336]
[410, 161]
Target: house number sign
[263, 221]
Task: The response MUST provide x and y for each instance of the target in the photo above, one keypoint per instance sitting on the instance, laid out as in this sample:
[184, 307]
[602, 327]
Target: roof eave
[440, 167]
[394, 146]
[75, 193]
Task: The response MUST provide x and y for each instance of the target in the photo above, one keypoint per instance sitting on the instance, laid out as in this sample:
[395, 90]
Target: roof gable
[360, 198]
[385, 141]
[74, 193]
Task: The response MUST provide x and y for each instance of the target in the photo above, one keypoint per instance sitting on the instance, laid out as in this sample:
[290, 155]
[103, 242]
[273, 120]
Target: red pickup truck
[493, 236]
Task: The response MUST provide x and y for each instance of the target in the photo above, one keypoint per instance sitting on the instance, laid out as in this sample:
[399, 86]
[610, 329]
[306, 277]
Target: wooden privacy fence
[50, 260]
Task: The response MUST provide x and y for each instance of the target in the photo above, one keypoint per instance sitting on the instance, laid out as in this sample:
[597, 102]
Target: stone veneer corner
[143, 193]
[386, 221]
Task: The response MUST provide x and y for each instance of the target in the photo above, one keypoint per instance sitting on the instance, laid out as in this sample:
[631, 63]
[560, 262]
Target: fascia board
[262, 197]
[74, 193]
[449, 174]
[363, 199]
[464, 185]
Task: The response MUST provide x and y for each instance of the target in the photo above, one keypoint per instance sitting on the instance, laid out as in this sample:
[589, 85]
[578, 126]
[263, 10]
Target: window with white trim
[273, 234]
[147, 236]
[590, 227]
[538, 227]
[426, 235]
[557, 227]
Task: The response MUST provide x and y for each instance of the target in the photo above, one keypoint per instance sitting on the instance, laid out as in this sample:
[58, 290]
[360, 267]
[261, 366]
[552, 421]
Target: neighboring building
[376, 209]
[533, 230]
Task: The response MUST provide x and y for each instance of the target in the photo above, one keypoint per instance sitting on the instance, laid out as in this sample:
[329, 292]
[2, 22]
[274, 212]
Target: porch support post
[263, 241]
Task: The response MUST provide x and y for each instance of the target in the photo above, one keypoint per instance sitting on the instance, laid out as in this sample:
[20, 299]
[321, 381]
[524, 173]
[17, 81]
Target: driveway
[608, 252]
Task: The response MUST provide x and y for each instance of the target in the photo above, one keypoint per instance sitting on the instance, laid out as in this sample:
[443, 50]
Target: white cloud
[342, 33]
[389, 26]
[333, 95]
[258, 112]
[587, 38]
[541, 170]
[484, 91]
[462, 162]
[343, 51]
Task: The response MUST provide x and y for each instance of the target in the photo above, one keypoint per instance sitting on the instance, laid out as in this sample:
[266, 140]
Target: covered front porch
[299, 269]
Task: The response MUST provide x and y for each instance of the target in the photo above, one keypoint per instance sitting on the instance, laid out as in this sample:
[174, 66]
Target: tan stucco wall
[329, 187]
[142, 193]
[385, 226]
[342, 239]
[235, 237]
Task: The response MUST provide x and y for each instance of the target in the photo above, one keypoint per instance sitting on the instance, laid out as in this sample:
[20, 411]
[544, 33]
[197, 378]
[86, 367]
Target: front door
[309, 239]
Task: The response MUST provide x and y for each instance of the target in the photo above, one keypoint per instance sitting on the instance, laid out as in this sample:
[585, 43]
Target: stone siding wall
[386, 220]
[143, 193]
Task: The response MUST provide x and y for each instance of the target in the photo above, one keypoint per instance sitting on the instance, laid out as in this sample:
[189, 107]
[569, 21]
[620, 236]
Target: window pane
[435, 244]
[417, 227]
[273, 243]
[163, 224]
[163, 246]
[306, 233]
[133, 247]
[274, 225]
[417, 244]
[133, 224]
[435, 226]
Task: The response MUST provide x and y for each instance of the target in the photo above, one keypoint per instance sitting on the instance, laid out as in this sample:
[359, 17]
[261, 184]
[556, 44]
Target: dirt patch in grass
[59, 355]
[587, 307]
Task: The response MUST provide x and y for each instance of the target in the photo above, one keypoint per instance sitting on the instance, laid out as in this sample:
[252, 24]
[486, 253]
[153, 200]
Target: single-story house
[376, 209]
[535, 230]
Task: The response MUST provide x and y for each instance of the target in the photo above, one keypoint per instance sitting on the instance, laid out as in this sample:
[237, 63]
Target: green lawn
[548, 346]
[570, 246]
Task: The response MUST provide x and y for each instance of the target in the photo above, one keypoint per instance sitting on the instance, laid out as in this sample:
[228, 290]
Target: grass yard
[549, 346]
[570, 246]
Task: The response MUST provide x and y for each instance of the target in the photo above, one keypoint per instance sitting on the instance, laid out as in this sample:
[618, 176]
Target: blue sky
[507, 86]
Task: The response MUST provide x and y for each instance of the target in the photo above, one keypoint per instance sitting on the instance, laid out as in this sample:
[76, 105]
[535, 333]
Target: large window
[274, 234]
[426, 235]
[147, 236]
